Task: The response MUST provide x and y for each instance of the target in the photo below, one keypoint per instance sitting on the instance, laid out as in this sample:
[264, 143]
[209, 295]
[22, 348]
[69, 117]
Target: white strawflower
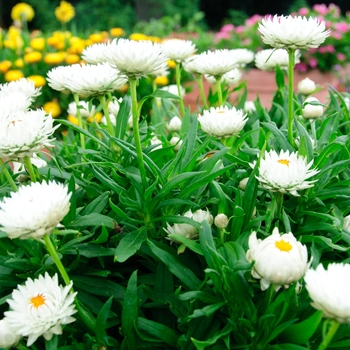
[35, 160]
[178, 50]
[243, 56]
[114, 105]
[346, 225]
[136, 58]
[16, 101]
[57, 78]
[269, 59]
[176, 142]
[23, 85]
[174, 124]
[221, 221]
[187, 230]
[285, 172]
[249, 107]
[229, 78]
[312, 108]
[222, 121]
[24, 133]
[190, 66]
[329, 289]
[290, 32]
[95, 53]
[34, 210]
[8, 337]
[40, 307]
[278, 259]
[306, 86]
[85, 112]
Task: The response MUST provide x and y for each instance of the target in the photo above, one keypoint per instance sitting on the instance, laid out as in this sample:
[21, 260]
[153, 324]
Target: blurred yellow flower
[13, 74]
[37, 43]
[117, 32]
[124, 88]
[72, 58]
[39, 80]
[171, 64]
[162, 80]
[59, 39]
[54, 57]
[155, 39]
[137, 36]
[73, 119]
[33, 57]
[77, 45]
[13, 38]
[65, 12]
[52, 107]
[98, 117]
[96, 38]
[19, 63]
[22, 11]
[5, 66]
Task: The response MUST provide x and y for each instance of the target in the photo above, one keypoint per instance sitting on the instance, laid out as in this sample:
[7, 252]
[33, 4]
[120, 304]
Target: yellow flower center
[284, 161]
[37, 301]
[283, 246]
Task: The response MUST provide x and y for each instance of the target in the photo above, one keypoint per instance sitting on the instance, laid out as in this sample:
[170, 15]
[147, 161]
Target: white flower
[95, 53]
[221, 221]
[176, 142]
[156, 142]
[24, 133]
[222, 121]
[187, 230]
[34, 210]
[312, 108]
[293, 32]
[174, 124]
[346, 225]
[112, 118]
[114, 105]
[136, 58]
[84, 110]
[285, 172]
[35, 160]
[329, 289]
[269, 59]
[57, 78]
[229, 78]
[189, 64]
[16, 101]
[347, 102]
[8, 337]
[243, 56]
[278, 259]
[40, 307]
[249, 107]
[243, 183]
[23, 85]
[179, 50]
[306, 86]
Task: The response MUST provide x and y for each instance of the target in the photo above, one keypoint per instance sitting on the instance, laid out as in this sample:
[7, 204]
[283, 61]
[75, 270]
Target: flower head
[221, 221]
[22, 11]
[8, 337]
[312, 108]
[285, 172]
[329, 289]
[278, 259]
[306, 86]
[40, 307]
[85, 110]
[269, 59]
[229, 78]
[16, 101]
[222, 121]
[242, 56]
[64, 12]
[174, 124]
[179, 50]
[23, 85]
[35, 210]
[290, 32]
[95, 53]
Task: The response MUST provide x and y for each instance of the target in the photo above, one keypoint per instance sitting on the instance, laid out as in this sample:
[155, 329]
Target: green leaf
[207, 310]
[101, 320]
[97, 205]
[93, 219]
[189, 243]
[202, 344]
[280, 137]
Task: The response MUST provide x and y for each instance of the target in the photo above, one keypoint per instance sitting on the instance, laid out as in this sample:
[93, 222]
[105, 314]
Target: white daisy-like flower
[190, 66]
[16, 101]
[179, 50]
[312, 108]
[35, 160]
[278, 259]
[269, 59]
[23, 85]
[187, 230]
[8, 337]
[222, 121]
[25, 133]
[215, 63]
[95, 53]
[174, 124]
[85, 112]
[306, 86]
[57, 78]
[34, 210]
[229, 78]
[290, 32]
[285, 172]
[40, 307]
[329, 290]
[114, 105]
[243, 56]
[136, 58]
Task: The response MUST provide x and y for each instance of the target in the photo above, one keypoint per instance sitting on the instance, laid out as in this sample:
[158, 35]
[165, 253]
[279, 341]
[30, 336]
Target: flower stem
[104, 105]
[313, 130]
[135, 123]
[29, 166]
[219, 90]
[80, 120]
[279, 203]
[8, 176]
[330, 334]
[291, 54]
[201, 89]
[178, 83]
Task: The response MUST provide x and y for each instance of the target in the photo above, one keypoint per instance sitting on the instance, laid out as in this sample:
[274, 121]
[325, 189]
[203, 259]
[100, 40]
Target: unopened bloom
[269, 59]
[174, 124]
[8, 337]
[306, 86]
[346, 225]
[249, 107]
[285, 172]
[290, 32]
[156, 142]
[187, 230]
[34, 210]
[176, 142]
[179, 50]
[85, 110]
[229, 78]
[278, 259]
[312, 108]
[40, 307]
[329, 290]
[221, 221]
[222, 121]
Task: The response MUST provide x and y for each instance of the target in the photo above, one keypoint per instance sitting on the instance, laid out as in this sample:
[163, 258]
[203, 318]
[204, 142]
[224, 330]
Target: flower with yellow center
[39, 80]
[22, 11]
[33, 57]
[64, 12]
[13, 74]
[40, 307]
[279, 260]
[52, 107]
[115, 32]
[5, 66]
[37, 44]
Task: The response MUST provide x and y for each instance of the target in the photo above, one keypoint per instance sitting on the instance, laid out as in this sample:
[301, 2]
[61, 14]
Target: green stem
[330, 334]
[80, 120]
[104, 105]
[29, 166]
[219, 90]
[313, 130]
[178, 83]
[8, 176]
[135, 123]
[202, 92]
[279, 203]
[291, 63]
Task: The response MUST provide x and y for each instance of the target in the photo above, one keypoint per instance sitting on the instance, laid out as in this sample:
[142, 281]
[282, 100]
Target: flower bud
[175, 124]
[243, 183]
[346, 225]
[306, 86]
[314, 110]
[221, 221]
[249, 107]
[176, 142]
[8, 337]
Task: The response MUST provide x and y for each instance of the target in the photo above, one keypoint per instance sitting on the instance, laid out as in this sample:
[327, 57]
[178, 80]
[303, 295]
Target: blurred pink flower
[301, 67]
[227, 28]
[341, 27]
[304, 11]
[322, 9]
[341, 56]
[253, 20]
[334, 10]
[337, 35]
[239, 29]
[222, 35]
[313, 62]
